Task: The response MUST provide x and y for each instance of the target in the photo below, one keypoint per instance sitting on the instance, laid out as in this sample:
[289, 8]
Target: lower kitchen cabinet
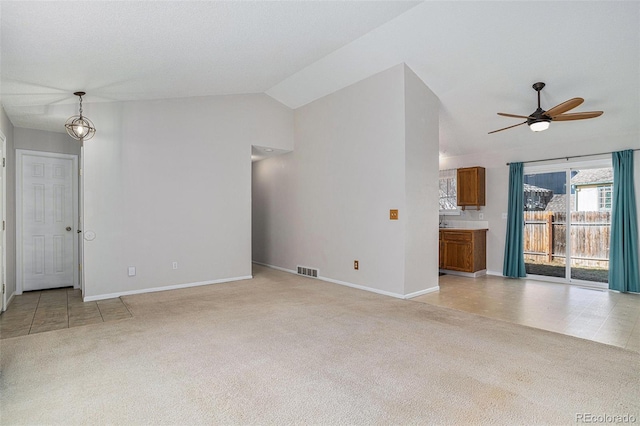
[463, 250]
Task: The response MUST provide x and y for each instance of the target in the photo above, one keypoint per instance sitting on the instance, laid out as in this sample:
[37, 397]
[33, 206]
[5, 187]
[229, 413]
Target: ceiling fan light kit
[79, 127]
[540, 119]
[539, 125]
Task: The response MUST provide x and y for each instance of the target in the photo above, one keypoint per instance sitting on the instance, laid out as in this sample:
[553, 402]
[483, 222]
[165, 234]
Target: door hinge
[79, 266]
[79, 172]
[4, 162]
[4, 288]
[3, 225]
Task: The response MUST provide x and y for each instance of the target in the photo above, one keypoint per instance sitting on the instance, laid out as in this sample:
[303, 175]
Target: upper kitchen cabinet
[471, 187]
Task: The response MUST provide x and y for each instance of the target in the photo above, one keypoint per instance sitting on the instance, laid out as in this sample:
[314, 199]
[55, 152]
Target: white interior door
[47, 216]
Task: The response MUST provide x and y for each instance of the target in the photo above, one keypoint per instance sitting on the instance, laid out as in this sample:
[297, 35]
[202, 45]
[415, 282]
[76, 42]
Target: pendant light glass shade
[79, 127]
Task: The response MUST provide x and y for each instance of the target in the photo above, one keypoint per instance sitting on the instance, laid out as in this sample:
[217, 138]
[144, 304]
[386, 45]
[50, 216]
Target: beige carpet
[281, 349]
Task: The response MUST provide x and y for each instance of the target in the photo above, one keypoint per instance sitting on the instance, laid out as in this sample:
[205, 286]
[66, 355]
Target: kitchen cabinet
[463, 250]
[471, 187]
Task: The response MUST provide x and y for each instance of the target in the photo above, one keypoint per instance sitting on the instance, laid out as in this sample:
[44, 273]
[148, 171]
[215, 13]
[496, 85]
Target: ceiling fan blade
[577, 116]
[510, 127]
[563, 107]
[513, 115]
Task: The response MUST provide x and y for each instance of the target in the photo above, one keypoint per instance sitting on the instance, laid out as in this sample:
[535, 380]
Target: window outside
[448, 194]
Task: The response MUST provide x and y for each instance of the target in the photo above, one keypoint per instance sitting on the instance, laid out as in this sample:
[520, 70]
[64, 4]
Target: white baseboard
[421, 292]
[169, 287]
[476, 274]
[9, 300]
[494, 273]
[362, 287]
[356, 286]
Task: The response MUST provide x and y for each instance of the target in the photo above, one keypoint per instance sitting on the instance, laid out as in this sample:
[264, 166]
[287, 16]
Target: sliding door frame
[567, 167]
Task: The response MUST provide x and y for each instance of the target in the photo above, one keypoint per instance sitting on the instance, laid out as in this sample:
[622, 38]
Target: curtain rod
[571, 156]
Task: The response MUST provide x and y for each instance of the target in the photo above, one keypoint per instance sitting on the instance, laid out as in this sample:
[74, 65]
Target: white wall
[170, 181]
[327, 203]
[39, 140]
[8, 131]
[421, 183]
[587, 199]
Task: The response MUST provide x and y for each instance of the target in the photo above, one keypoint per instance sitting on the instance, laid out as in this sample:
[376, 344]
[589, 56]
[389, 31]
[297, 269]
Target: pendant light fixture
[79, 127]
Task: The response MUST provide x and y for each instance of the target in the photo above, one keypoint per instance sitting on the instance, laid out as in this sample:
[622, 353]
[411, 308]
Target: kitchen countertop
[463, 225]
[463, 229]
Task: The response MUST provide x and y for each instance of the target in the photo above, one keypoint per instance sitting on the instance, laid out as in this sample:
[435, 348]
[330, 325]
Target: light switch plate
[132, 271]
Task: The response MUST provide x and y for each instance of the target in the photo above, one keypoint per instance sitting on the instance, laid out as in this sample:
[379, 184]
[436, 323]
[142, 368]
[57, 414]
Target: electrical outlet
[132, 271]
[356, 265]
[481, 216]
[504, 215]
[393, 214]
[175, 265]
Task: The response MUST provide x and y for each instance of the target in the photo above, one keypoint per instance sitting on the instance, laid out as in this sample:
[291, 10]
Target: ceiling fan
[539, 120]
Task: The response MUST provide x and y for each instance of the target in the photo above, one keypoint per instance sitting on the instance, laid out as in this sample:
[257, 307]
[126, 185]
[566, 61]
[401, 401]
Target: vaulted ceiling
[479, 58]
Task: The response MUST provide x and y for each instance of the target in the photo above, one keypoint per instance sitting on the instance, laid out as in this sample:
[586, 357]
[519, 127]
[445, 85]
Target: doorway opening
[567, 215]
[47, 220]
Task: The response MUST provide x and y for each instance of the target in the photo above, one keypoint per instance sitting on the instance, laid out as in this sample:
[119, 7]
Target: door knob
[68, 228]
[78, 231]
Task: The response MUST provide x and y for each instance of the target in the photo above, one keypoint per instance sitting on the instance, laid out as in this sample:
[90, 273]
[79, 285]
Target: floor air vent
[309, 272]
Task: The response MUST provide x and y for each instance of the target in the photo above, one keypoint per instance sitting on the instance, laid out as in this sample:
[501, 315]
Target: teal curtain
[514, 245]
[623, 253]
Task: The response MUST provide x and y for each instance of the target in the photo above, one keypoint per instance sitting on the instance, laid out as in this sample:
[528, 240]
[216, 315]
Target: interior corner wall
[170, 181]
[422, 189]
[8, 130]
[40, 140]
[327, 203]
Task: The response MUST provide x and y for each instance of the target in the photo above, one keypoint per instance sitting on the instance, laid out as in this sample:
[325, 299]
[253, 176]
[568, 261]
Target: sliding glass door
[545, 207]
[567, 216]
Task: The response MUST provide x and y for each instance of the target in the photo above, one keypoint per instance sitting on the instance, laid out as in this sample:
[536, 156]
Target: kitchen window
[448, 194]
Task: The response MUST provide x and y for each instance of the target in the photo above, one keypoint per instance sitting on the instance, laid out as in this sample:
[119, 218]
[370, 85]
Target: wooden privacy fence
[545, 237]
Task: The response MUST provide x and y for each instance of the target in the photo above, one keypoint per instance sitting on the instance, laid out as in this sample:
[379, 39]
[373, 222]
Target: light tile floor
[600, 315]
[38, 311]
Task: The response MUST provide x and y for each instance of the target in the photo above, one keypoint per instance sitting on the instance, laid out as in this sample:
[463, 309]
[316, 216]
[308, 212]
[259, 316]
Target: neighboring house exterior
[593, 189]
[536, 198]
[559, 203]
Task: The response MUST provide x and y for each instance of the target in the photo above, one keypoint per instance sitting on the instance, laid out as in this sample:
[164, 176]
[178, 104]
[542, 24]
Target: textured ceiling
[478, 57]
[158, 49]
[482, 57]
